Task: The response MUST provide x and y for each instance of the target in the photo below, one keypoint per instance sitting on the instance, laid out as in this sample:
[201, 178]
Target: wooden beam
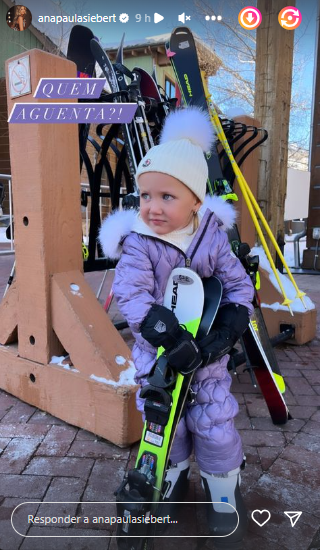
[51, 303]
[8, 316]
[103, 409]
[309, 259]
[47, 224]
[102, 350]
[273, 82]
[162, 60]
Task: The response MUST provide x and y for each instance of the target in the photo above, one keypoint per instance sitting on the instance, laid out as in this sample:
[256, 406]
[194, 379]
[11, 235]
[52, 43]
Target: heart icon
[259, 521]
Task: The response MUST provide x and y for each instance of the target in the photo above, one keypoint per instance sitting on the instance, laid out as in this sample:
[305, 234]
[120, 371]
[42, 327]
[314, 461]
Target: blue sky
[109, 32]
[112, 32]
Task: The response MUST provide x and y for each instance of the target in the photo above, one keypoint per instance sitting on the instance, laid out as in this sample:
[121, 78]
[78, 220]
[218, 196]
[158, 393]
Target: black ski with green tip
[182, 53]
[260, 356]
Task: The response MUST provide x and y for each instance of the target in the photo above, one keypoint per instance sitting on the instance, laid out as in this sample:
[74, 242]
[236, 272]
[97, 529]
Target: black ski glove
[161, 328]
[230, 323]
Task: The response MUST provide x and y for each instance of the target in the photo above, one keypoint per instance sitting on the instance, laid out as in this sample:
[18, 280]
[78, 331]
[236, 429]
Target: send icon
[293, 516]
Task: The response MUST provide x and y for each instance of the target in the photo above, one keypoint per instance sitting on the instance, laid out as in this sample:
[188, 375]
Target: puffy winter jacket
[140, 280]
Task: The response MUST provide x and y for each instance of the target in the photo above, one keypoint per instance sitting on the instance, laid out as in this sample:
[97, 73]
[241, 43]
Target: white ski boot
[222, 490]
[176, 484]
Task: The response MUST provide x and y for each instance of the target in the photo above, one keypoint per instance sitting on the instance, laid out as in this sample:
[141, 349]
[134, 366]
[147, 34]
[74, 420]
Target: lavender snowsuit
[140, 280]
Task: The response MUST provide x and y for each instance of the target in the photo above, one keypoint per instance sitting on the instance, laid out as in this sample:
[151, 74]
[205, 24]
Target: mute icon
[183, 18]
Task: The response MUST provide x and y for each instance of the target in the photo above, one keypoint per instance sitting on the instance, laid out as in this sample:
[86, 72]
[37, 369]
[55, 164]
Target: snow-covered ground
[288, 289]
[289, 249]
[3, 238]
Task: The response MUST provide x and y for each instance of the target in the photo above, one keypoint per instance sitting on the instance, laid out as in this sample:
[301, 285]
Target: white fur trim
[222, 209]
[121, 222]
[190, 123]
[116, 226]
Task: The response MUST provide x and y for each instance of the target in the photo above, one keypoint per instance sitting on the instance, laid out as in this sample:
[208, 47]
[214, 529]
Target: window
[170, 88]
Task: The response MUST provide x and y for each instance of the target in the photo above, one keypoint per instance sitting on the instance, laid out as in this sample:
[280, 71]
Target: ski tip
[170, 53]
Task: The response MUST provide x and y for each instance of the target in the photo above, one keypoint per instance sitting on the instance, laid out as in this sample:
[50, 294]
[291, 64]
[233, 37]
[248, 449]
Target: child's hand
[185, 356]
[161, 328]
[215, 345]
[230, 323]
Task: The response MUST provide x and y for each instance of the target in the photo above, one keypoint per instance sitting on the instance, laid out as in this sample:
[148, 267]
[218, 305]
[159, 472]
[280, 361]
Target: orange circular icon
[289, 18]
[250, 18]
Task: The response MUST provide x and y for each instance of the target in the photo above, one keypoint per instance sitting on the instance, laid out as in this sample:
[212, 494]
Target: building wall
[146, 62]
[297, 199]
[4, 132]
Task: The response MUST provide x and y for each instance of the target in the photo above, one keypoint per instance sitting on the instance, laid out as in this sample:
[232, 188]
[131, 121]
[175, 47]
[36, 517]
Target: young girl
[179, 226]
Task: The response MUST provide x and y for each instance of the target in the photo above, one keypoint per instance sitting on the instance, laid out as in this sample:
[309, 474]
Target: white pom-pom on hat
[191, 123]
[187, 134]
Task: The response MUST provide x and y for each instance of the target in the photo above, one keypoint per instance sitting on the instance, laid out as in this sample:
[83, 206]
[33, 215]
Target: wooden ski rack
[50, 309]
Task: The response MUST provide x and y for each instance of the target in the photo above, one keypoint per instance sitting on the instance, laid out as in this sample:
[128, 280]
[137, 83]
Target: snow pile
[55, 360]
[68, 367]
[120, 360]
[75, 290]
[3, 238]
[296, 305]
[289, 249]
[126, 377]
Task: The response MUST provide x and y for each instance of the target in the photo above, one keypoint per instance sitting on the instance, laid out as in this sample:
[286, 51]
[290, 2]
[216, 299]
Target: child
[178, 226]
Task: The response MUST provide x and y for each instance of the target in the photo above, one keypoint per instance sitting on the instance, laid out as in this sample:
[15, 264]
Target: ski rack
[111, 142]
[141, 136]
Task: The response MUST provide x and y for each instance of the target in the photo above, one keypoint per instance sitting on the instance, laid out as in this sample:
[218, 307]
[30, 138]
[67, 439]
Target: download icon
[250, 18]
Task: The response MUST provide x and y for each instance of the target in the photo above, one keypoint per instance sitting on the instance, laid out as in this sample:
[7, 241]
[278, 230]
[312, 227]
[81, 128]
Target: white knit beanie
[186, 135]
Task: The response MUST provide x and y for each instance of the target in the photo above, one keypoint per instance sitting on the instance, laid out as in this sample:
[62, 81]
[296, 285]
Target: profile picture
[18, 18]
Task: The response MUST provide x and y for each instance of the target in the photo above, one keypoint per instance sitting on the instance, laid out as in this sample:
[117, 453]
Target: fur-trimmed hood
[121, 222]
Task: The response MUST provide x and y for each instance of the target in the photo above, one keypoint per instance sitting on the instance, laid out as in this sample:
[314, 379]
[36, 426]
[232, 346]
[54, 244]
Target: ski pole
[10, 279]
[133, 95]
[286, 301]
[300, 294]
[101, 284]
[251, 197]
[108, 301]
[238, 173]
[248, 195]
[224, 142]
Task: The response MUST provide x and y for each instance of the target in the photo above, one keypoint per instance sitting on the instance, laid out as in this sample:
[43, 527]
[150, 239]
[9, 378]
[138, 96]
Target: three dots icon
[213, 17]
